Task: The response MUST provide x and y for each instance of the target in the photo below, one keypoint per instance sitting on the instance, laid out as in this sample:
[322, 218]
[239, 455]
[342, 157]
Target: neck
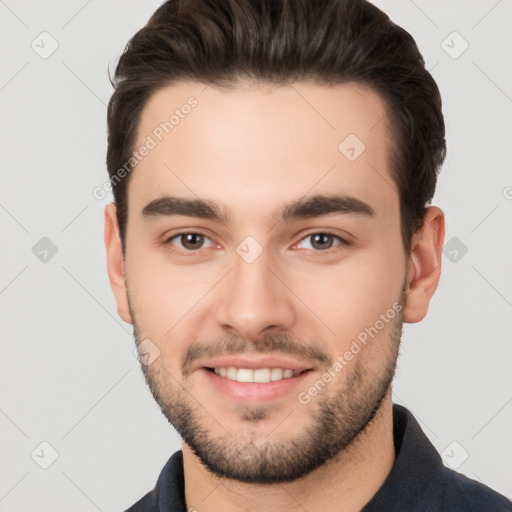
[347, 482]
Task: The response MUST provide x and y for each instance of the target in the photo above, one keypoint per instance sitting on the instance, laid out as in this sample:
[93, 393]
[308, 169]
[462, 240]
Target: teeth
[276, 374]
[244, 375]
[259, 375]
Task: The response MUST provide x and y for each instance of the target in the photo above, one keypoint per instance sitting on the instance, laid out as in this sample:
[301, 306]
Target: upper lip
[254, 363]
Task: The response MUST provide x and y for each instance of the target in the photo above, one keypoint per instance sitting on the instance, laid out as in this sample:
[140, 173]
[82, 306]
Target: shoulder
[169, 492]
[145, 504]
[460, 493]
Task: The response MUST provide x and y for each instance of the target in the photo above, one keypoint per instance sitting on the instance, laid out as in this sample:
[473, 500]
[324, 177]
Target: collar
[417, 462]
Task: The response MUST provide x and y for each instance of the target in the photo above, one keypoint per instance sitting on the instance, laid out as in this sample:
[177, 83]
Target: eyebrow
[303, 208]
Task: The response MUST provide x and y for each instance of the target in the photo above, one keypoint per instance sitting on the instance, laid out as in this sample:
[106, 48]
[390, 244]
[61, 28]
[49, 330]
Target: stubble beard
[336, 419]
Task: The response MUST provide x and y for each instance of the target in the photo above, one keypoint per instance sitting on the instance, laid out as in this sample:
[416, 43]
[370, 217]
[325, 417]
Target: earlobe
[115, 262]
[424, 265]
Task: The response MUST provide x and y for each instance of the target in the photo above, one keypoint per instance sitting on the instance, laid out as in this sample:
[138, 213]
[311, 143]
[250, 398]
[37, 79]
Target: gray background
[68, 374]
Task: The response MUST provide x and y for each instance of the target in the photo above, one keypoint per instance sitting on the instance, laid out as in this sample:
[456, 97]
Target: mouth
[259, 375]
[253, 385]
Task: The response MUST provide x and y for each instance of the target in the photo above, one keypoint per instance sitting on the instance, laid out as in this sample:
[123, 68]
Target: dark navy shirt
[418, 481]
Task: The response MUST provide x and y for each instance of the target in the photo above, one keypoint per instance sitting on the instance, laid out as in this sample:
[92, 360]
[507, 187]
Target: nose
[254, 299]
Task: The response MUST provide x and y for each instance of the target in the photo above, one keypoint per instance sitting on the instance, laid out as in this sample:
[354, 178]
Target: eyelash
[192, 254]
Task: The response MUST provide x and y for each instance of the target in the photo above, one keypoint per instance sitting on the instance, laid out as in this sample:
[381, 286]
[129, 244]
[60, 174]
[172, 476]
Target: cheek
[333, 302]
[352, 295]
[164, 296]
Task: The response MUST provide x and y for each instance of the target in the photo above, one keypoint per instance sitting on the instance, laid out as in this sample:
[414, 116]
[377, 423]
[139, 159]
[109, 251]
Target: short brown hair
[328, 42]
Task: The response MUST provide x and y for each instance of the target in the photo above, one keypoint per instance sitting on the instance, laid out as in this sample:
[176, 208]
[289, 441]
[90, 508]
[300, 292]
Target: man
[272, 164]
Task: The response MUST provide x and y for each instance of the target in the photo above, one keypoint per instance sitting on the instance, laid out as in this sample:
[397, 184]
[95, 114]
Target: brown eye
[188, 242]
[323, 241]
[192, 241]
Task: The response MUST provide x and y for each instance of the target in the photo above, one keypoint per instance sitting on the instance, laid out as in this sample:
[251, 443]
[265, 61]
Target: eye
[323, 241]
[188, 242]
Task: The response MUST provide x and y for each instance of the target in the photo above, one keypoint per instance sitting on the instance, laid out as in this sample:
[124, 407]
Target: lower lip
[254, 391]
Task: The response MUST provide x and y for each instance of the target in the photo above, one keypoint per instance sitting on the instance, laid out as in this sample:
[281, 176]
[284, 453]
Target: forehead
[252, 142]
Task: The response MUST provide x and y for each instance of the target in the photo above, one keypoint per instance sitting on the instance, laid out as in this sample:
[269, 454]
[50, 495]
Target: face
[264, 269]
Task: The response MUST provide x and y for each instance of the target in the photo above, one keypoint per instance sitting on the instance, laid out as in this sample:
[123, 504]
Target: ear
[424, 265]
[115, 262]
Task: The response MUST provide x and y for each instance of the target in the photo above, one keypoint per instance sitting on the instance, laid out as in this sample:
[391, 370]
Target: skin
[236, 148]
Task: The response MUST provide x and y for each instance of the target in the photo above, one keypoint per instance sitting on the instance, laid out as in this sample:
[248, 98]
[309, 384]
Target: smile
[260, 375]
